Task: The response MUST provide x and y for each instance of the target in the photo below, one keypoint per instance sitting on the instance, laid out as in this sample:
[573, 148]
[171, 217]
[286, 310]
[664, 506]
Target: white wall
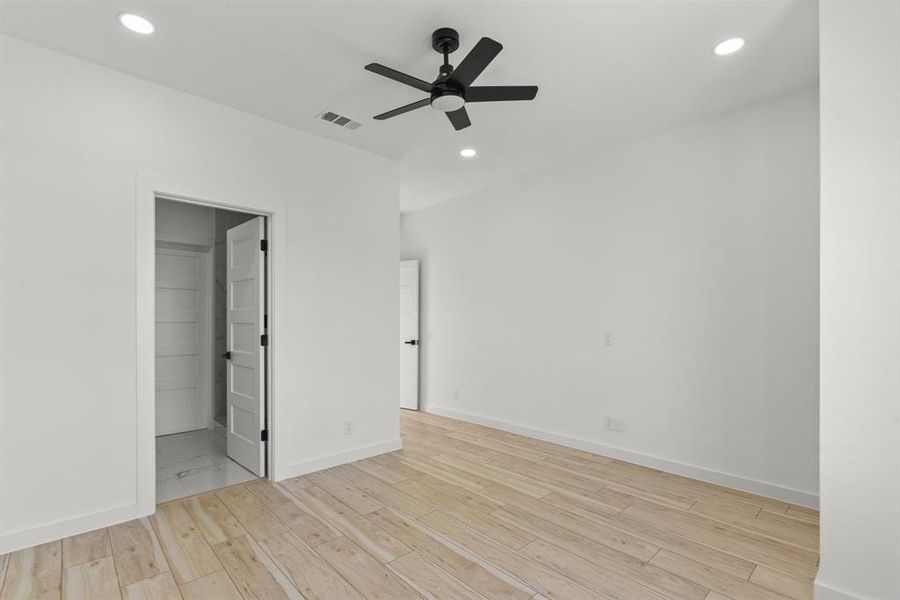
[74, 136]
[860, 329]
[696, 249]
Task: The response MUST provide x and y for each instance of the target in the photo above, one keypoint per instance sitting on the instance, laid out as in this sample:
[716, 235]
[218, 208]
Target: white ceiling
[608, 70]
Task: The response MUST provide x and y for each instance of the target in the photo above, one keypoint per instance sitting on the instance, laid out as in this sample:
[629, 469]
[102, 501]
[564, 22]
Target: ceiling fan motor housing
[446, 98]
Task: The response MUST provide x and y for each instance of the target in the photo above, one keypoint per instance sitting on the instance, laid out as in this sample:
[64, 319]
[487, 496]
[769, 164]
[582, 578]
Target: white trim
[341, 458]
[149, 187]
[26, 538]
[824, 592]
[762, 488]
[185, 238]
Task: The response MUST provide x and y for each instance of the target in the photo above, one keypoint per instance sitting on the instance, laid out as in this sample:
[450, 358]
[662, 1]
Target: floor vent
[339, 120]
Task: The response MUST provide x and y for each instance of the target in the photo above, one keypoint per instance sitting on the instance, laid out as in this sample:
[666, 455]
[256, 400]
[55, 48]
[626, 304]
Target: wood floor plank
[593, 529]
[437, 492]
[296, 515]
[713, 579]
[186, 549]
[665, 583]
[784, 528]
[386, 459]
[92, 580]
[525, 485]
[85, 547]
[588, 574]
[373, 580]
[379, 543]
[725, 513]
[534, 574]
[346, 492]
[599, 502]
[786, 585]
[250, 511]
[431, 582]
[137, 552]
[215, 586]
[476, 573]
[253, 572]
[386, 473]
[34, 573]
[803, 513]
[159, 587]
[425, 464]
[385, 493]
[215, 521]
[494, 528]
[723, 561]
[743, 543]
[307, 571]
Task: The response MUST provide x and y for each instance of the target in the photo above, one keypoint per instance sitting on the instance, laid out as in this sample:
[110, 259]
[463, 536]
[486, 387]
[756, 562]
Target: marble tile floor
[194, 462]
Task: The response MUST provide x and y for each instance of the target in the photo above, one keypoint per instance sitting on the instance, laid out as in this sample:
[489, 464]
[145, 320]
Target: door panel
[244, 322]
[182, 384]
[409, 331]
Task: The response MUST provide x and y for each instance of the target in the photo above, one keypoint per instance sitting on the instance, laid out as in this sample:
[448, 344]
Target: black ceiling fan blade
[398, 76]
[500, 93]
[459, 118]
[403, 109]
[472, 65]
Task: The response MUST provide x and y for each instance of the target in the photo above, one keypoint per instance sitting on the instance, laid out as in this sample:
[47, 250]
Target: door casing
[149, 188]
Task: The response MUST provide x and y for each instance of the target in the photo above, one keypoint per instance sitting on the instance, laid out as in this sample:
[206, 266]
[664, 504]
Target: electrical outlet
[607, 338]
[614, 424]
[455, 395]
[348, 427]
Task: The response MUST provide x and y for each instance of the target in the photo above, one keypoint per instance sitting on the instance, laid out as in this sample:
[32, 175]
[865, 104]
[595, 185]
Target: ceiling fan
[453, 87]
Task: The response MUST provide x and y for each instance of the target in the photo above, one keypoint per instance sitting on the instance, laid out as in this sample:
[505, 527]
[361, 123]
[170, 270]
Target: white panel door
[409, 334]
[246, 364]
[182, 361]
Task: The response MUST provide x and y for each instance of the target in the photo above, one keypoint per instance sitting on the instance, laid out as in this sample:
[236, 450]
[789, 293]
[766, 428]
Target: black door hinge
[264, 435]
[264, 339]
[264, 245]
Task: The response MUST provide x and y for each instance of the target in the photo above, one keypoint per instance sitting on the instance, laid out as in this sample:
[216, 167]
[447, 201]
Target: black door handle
[227, 355]
[412, 342]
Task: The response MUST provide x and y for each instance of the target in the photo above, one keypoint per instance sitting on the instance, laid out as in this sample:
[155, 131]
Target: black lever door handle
[227, 355]
[412, 342]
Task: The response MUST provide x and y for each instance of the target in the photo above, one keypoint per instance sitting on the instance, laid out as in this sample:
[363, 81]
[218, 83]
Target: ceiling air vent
[339, 120]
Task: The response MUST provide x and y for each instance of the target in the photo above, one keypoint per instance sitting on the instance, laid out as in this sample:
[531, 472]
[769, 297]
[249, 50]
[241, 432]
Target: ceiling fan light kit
[453, 88]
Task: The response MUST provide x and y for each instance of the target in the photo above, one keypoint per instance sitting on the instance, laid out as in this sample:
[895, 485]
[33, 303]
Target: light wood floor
[461, 512]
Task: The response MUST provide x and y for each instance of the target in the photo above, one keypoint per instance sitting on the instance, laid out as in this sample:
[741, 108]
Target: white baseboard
[824, 592]
[341, 458]
[50, 532]
[762, 488]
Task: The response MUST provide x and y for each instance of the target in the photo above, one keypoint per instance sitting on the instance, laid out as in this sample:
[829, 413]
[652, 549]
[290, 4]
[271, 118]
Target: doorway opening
[211, 341]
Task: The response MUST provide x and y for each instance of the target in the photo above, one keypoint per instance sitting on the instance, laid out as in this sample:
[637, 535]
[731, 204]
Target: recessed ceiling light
[467, 152]
[136, 23]
[729, 46]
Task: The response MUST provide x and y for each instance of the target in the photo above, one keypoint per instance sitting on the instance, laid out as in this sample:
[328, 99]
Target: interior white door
[409, 334]
[182, 354]
[245, 298]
